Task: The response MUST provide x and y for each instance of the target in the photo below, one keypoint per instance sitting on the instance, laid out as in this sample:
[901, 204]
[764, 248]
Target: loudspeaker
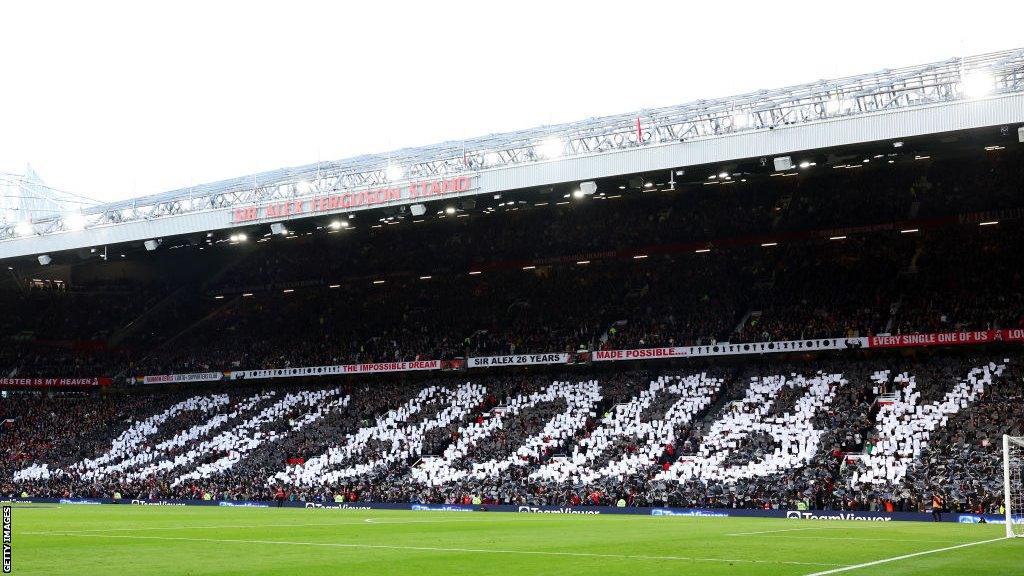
[150, 245]
[44, 259]
[588, 187]
[277, 228]
[782, 163]
[418, 209]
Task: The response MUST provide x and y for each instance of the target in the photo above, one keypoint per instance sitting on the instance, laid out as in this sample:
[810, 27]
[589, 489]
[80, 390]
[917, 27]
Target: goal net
[1013, 471]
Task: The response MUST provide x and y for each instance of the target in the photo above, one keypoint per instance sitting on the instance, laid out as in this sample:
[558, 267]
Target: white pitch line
[774, 531]
[219, 526]
[857, 538]
[903, 557]
[439, 549]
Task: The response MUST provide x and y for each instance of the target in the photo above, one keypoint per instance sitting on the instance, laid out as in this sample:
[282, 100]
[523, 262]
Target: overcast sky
[113, 100]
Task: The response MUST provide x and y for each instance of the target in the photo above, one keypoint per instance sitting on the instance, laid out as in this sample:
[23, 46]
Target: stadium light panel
[247, 295]
[425, 277]
[909, 231]
[639, 256]
[474, 272]
[219, 297]
[393, 172]
[769, 244]
[335, 286]
[805, 164]
[702, 251]
[287, 291]
[449, 210]
[23, 228]
[74, 222]
[578, 194]
[837, 238]
[550, 148]
[378, 281]
[989, 223]
[978, 83]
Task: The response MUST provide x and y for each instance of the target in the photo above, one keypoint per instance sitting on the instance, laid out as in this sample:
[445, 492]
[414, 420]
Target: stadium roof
[955, 94]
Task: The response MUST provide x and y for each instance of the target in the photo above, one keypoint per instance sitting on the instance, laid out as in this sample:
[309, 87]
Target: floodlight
[74, 221]
[550, 148]
[977, 83]
[23, 228]
[393, 172]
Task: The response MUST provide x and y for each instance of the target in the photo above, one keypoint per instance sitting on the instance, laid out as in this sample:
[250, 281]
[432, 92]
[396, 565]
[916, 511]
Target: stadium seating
[838, 433]
[586, 292]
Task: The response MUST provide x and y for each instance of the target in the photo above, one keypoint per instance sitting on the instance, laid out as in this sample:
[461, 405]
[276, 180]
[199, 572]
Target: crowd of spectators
[732, 263]
[488, 450]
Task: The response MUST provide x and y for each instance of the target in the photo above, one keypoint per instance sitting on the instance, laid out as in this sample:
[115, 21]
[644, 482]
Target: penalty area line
[441, 549]
[903, 557]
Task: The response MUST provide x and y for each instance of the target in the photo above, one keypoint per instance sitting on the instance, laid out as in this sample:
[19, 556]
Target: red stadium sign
[424, 190]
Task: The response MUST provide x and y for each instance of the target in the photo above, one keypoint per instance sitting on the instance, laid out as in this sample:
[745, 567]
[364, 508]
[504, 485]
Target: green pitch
[128, 540]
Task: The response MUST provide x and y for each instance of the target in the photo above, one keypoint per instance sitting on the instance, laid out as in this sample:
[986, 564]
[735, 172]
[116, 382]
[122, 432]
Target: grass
[128, 540]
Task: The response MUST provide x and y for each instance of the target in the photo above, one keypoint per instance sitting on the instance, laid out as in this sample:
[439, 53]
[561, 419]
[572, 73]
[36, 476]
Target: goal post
[1013, 487]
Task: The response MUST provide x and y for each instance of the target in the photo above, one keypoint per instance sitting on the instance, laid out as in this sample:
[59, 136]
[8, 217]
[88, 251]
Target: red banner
[366, 368]
[946, 338]
[720, 349]
[53, 382]
[639, 354]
